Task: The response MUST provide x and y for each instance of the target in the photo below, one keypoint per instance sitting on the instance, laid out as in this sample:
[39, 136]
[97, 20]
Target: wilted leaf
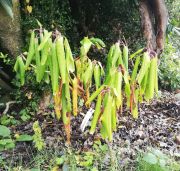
[86, 44]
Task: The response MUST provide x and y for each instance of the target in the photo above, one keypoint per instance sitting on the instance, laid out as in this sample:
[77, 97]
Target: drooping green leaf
[64, 104]
[135, 69]
[44, 40]
[97, 76]
[31, 50]
[86, 44]
[109, 59]
[106, 129]
[68, 97]
[136, 53]
[19, 67]
[95, 94]
[98, 42]
[87, 75]
[69, 57]
[144, 67]
[116, 54]
[118, 88]
[54, 69]
[45, 53]
[40, 69]
[125, 57]
[96, 114]
[61, 57]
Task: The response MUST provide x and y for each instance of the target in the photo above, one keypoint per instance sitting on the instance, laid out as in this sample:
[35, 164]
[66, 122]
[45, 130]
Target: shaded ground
[158, 126]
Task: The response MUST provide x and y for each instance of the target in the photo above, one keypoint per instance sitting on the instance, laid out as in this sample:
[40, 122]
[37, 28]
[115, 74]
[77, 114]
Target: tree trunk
[10, 42]
[147, 24]
[10, 31]
[161, 17]
[154, 21]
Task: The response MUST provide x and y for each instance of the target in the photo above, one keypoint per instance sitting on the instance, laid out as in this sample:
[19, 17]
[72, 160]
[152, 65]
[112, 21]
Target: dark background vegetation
[109, 19]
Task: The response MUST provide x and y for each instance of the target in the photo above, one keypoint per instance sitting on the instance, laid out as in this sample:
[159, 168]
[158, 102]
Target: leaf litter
[158, 126]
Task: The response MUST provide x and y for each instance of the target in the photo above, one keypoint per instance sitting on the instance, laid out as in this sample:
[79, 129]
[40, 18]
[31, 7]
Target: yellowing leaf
[29, 9]
[16, 136]
[75, 96]
[56, 168]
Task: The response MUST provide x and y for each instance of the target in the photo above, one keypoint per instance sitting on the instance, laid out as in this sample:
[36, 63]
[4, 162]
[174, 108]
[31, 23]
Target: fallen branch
[8, 105]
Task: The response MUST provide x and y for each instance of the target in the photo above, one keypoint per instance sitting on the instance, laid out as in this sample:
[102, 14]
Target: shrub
[51, 59]
[169, 69]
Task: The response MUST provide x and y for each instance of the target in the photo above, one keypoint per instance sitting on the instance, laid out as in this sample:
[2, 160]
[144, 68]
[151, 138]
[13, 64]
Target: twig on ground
[7, 106]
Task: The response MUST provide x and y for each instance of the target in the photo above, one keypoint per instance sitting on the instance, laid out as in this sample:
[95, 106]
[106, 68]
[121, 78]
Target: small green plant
[7, 120]
[92, 159]
[169, 69]
[89, 160]
[155, 160]
[5, 139]
[6, 142]
[24, 115]
[37, 137]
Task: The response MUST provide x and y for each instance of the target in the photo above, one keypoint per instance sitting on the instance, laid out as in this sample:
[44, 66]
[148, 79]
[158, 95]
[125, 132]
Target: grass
[101, 157]
[52, 159]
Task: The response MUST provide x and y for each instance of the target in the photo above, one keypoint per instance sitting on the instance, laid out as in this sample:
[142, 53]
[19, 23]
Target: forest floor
[158, 127]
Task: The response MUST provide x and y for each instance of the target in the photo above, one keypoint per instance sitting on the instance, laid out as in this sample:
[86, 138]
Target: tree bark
[147, 24]
[161, 17]
[10, 31]
[10, 42]
[154, 21]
